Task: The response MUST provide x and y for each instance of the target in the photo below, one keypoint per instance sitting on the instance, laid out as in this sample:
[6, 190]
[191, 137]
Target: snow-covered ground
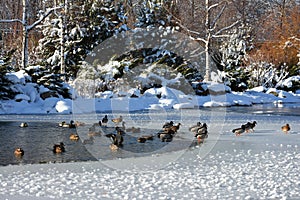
[264, 164]
[170, 99]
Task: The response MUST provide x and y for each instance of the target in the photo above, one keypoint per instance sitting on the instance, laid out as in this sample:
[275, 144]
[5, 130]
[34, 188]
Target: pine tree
[234, 57]
[85, 24]
[5, 91]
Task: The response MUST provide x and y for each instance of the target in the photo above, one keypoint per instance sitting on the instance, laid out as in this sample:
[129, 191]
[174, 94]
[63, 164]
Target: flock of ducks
[249, 126]
[200, 131]
[166, 134]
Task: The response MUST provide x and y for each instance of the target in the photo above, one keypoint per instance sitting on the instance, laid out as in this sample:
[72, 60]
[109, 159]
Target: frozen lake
[264, 164]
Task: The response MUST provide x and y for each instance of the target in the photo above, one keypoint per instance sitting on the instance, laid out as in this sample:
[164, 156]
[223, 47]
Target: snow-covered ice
[264, 164]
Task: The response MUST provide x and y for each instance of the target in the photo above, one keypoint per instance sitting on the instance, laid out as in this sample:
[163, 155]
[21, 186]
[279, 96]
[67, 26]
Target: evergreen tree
[234, 57]
[85, 24]
[5, 91]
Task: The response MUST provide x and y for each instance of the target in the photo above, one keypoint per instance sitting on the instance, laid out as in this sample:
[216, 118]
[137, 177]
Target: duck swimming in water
[74, 137]
[59, 148]
[23, 125]
[104, 121]
[117, 121]
[66, 125]
[19, 152]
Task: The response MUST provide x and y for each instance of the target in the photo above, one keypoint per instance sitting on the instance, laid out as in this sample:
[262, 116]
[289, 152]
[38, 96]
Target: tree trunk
[25, 36]
[207, 61]
[207, 43]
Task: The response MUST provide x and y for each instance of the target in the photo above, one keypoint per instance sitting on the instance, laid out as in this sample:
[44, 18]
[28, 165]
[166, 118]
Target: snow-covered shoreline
[171, 99]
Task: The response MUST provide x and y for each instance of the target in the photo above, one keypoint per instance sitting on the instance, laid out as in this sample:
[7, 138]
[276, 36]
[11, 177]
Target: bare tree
[213, 12]
[27, 28]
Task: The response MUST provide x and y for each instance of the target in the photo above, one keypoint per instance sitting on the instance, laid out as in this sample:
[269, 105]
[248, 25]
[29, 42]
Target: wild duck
[194, 128]
[250, 126]
[133, 130]
[23, 125]
[166, 137]
[120, 130]
[173, 127]
[148, 137]
[59, 148]
[119, 139]
[104, 121]
[286, 128]
[168, 124]
[74, 137]
[19, 152]
[201, 137]
[141, 140]
[144, 138]
[202, 129]
[113, 147]
[239, 131]
[176, 127]
[118, 120]
[66, 125]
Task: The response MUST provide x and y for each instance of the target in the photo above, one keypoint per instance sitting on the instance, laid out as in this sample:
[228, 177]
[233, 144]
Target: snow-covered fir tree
[234, 57]
[79, 27]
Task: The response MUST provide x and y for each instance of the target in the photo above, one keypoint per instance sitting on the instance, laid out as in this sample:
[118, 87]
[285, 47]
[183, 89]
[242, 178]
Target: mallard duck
[19, 152]
[168, 124]
[144, 138]
[113, 147]
[286, 128]
[141, 140]
[250, 126]
[148, 137]
[176, 127]
[133, 130]
[172, 127]
[23, 125]
[59, 148]
[104, 121]
[119, 139]
[202, 129]
[202, 133]
[117, 121]
[194, 128]
[74, 137]
[239, 131]
[66, 125]
[166, 137]
[121, 130]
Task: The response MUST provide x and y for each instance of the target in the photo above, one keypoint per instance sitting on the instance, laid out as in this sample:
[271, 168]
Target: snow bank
[153, 99]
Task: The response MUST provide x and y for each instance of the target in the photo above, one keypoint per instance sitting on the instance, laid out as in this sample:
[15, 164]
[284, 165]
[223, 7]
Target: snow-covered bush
[266, 75]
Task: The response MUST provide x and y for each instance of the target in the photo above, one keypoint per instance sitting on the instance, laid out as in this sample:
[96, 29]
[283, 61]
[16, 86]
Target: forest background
[250, 42]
